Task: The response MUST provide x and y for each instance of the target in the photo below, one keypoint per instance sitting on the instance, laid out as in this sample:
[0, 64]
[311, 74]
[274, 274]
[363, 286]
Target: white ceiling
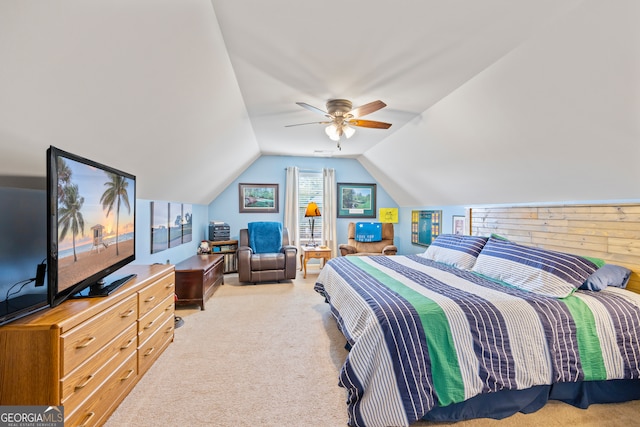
[492, 101]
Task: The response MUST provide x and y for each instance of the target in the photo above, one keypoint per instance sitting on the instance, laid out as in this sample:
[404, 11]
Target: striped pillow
[456, 250]
[554, 274]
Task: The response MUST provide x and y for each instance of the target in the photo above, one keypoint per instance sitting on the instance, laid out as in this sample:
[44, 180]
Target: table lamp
[312, 212]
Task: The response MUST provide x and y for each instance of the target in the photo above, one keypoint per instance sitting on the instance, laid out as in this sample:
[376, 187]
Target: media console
[87, 354]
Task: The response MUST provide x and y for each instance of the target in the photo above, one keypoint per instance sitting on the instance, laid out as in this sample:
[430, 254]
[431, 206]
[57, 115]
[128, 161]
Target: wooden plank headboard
[607, 231]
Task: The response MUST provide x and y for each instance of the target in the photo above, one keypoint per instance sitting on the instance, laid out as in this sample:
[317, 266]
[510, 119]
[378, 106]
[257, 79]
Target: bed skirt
[505, 403]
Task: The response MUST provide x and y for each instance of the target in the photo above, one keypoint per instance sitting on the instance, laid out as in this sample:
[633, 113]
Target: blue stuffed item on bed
[265, 237]
[368, 231]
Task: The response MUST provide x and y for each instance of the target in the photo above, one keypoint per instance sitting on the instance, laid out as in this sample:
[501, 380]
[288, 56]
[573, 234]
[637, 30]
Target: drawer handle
[81, 386]
[86, 344]
[126, 377]
[169, 329]
[169, 285]
[127, 345]
[148, 353]
[169, 307]
[87, 419]
[149, 324]
[151, 298]
[128, 313]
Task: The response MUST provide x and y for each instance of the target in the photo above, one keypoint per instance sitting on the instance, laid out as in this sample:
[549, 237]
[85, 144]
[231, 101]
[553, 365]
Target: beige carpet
[269, 355]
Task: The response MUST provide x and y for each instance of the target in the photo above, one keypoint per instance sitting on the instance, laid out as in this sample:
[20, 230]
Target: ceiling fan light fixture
[342, 114]
[332, 132]
[348, 131]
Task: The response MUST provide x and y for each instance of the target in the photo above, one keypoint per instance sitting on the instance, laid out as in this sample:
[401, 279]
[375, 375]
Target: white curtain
[291, 220]
[329, 201]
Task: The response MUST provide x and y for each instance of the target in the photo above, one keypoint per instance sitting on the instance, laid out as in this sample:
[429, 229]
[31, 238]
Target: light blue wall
[199, 220]
[271, 170]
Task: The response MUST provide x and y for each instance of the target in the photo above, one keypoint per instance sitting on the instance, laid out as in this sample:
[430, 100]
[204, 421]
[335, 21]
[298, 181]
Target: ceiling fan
[342, 116]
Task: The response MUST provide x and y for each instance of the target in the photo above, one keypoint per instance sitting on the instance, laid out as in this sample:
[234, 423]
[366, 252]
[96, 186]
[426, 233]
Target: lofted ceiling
[491, 101]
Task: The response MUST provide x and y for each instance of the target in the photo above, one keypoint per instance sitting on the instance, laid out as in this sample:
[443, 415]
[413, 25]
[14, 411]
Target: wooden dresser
[87, 354]
[198, 277]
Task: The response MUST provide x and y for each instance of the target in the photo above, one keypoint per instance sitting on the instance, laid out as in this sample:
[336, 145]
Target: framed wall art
[258, 198]
[187, 217]
[170, 225]
[459, 225]
[356, 200]
[159, 226]
[175, 224]
[425, 226]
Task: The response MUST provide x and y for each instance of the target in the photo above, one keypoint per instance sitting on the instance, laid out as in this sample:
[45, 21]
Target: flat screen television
[23, 251]
[91, 212]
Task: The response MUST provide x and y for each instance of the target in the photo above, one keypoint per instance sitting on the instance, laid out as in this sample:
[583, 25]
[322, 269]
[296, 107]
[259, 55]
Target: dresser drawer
[83, 381]
[156, 317]
[89, 337]
[153, 294]
[149, 351]
[94, 410]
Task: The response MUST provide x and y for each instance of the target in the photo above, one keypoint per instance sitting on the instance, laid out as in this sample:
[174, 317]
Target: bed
[486, 325]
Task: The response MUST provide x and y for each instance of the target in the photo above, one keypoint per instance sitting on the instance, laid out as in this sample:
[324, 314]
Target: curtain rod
[308, 170]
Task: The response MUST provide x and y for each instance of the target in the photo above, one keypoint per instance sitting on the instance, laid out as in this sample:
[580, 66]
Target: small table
[309, 252]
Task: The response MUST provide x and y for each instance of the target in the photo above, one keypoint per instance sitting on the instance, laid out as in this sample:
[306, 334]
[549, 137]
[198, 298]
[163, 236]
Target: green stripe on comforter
[447, 378]
[588, 342]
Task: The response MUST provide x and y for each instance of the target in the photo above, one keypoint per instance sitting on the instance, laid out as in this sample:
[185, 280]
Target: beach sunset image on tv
[95, 220]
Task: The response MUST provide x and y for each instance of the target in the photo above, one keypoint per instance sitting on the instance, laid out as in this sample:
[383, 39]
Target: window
[310, 189]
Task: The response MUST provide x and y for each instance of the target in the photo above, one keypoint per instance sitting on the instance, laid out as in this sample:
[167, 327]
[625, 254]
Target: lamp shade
[312, 210]
[332, 132]
[348, 131]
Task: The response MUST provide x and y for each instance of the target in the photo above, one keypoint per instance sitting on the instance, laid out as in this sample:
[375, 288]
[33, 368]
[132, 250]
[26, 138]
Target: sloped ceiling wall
[148, 86]
[557, 119]
[145, 86]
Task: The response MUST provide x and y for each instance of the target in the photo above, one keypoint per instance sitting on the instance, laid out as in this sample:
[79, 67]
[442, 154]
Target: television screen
[23, 251]
[91, 211]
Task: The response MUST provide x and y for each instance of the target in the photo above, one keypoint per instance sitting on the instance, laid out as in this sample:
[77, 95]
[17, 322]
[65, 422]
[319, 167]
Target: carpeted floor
[269, 355]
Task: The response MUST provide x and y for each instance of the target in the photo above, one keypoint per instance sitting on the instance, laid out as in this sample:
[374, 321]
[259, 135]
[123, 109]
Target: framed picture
[425, 227]
[258, 198]
[159, 226]
[356, 200]
[175, 224]
[187, 231]
[459, 225]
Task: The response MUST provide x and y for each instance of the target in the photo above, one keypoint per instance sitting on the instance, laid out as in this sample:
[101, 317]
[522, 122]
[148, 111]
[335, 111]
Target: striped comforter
[423, 334]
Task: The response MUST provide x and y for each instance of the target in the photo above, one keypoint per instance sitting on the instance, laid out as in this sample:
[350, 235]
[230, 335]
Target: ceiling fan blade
[310, 123]
[369, 124]
[312, 108]
[369, 108]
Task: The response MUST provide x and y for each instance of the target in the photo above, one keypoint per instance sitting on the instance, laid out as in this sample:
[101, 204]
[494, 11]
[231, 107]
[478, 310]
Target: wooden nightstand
[309, 252]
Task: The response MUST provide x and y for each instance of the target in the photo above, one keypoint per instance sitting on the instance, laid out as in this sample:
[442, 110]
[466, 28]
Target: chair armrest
[389, 250]
[245, 248]
[346, 249]
[290, 261]
[288, 248]
[243, 255]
